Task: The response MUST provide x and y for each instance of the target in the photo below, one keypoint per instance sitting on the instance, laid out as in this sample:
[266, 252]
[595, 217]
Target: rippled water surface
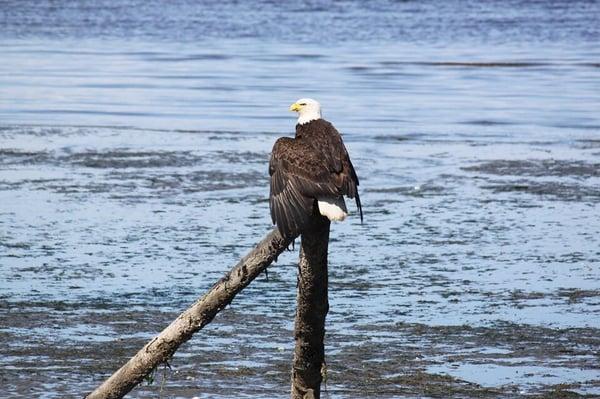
[134, 142]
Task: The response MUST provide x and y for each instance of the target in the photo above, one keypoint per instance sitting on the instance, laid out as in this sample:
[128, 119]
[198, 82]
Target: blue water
[134, 141]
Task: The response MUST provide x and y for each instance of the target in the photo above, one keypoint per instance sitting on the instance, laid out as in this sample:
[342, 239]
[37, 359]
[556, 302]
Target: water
[134, 142]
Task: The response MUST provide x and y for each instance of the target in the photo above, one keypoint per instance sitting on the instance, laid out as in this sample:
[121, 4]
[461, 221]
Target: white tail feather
[333, 208]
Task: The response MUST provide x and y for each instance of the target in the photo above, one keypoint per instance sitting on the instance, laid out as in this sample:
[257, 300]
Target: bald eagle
[311, 173]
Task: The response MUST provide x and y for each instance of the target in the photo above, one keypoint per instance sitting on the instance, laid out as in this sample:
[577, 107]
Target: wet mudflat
[245, 355]
[134, 144]
[452, 287]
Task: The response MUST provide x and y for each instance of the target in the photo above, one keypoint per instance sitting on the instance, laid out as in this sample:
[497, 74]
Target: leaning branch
[163, 346]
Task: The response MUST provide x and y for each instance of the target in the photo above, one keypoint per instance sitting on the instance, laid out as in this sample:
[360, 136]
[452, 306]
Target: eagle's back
[313, 164]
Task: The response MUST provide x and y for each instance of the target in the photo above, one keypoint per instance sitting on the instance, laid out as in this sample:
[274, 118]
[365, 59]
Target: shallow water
[133, 150]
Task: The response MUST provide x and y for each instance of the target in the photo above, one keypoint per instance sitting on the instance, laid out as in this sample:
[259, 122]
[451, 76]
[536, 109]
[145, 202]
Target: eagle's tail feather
[334, 208]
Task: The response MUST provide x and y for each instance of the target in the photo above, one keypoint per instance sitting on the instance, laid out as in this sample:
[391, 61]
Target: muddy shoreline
[243, 354]
[483, 284]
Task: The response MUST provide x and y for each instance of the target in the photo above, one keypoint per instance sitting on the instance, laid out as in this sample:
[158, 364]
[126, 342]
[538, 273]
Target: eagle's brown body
[313, 165]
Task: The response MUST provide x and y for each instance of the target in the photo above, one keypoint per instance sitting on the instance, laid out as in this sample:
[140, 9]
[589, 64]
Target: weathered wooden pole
[162, 347]
[313, 305]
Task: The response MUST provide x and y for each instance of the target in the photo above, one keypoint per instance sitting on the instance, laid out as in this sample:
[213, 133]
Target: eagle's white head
[307, 109]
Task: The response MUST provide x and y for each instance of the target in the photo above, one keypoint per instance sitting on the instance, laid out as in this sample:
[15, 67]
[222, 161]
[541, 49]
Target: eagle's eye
[302, 104]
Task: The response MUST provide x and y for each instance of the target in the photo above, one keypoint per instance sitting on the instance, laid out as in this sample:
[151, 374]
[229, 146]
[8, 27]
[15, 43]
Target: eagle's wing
[339, 163]
[299, 174]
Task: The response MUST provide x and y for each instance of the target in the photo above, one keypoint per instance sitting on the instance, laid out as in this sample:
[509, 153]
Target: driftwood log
[163, 346]
[313, 305]
[309, 331]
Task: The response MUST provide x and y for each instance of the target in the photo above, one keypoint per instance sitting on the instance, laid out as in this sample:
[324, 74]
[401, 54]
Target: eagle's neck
[311, 129]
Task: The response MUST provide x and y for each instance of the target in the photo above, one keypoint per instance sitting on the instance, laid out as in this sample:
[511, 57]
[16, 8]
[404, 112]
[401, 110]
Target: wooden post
[313, 305]
[162, 347]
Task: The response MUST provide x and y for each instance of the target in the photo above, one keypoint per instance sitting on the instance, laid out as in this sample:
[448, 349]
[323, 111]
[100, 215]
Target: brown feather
[313, 164]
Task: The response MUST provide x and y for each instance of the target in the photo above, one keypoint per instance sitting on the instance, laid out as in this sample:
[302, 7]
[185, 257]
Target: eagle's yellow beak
[295, 107]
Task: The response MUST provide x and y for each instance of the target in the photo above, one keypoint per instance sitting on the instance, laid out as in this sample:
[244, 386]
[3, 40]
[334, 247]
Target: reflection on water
[133, 173]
